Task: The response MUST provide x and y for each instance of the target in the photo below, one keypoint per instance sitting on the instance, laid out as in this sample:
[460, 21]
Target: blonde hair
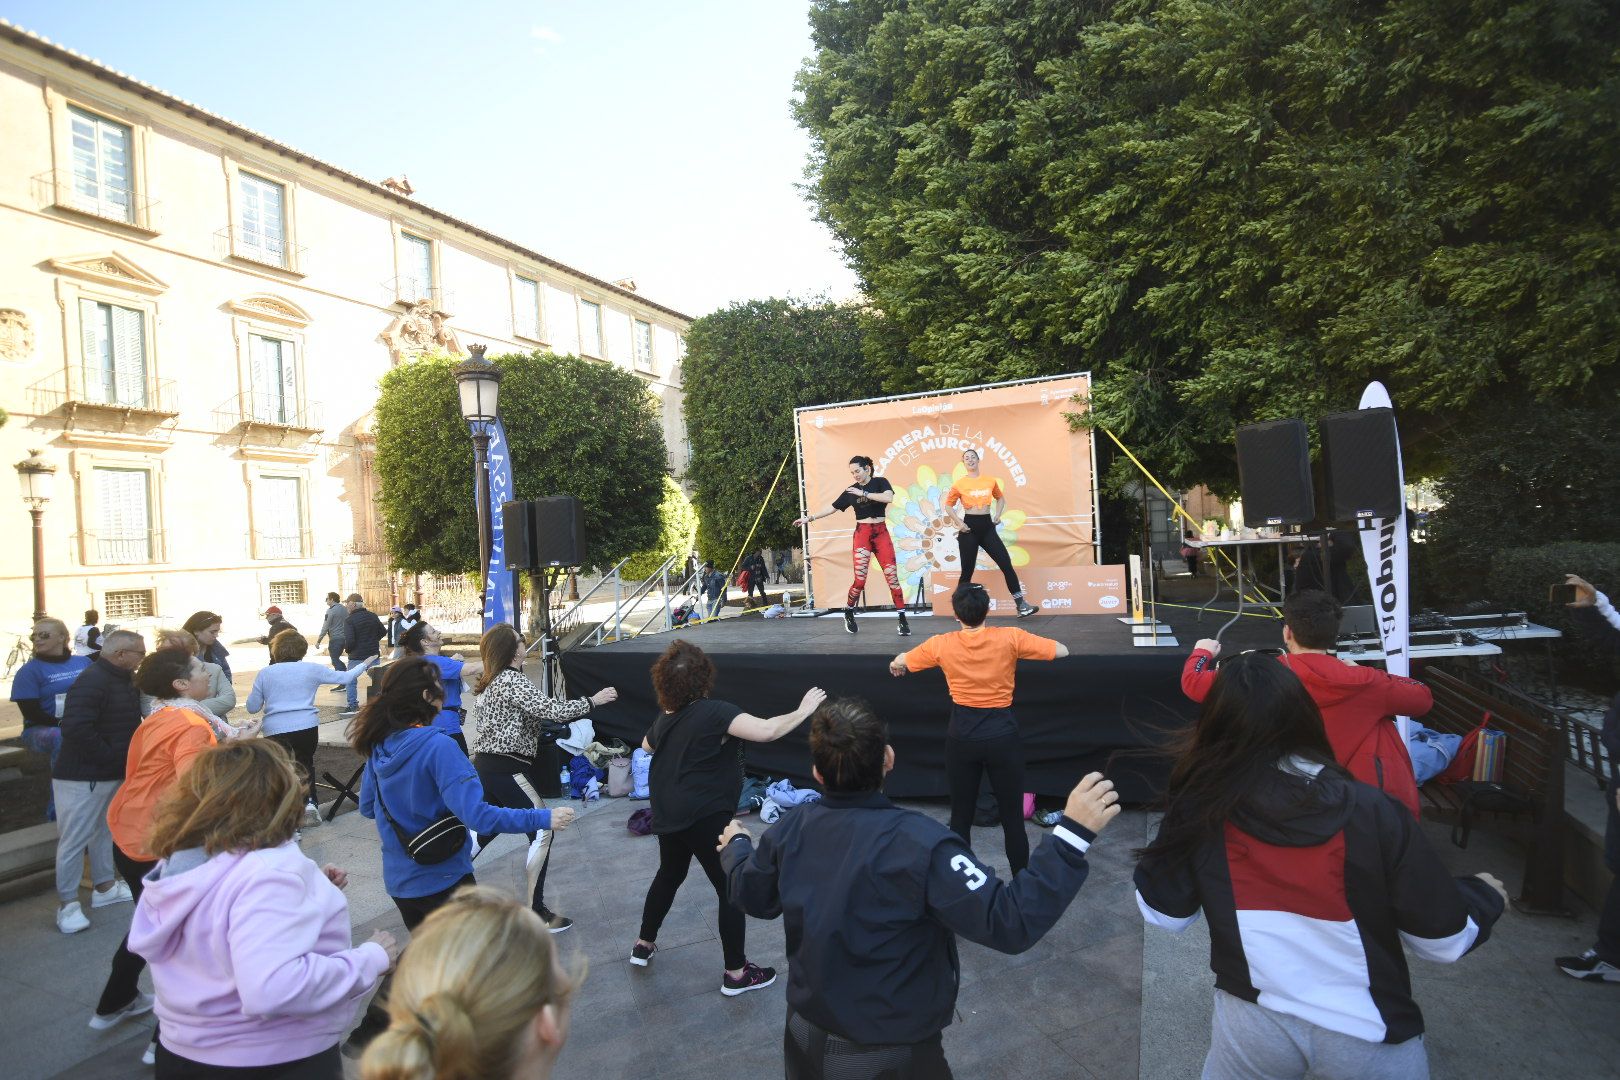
[477, 972]
[238, 796]
[178, 639]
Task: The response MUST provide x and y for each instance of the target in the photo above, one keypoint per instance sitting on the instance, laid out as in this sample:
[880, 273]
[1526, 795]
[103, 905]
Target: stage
[1106, 706]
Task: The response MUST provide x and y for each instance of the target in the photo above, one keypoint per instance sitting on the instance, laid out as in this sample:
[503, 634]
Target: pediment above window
[273, 308]
[110, 268]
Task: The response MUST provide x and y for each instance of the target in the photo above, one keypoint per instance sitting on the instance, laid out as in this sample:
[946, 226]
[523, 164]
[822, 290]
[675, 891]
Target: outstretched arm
[755, 729]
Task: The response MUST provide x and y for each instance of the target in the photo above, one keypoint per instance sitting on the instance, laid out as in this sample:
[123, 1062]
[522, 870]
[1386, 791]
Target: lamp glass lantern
[36, 478]
[478, 382]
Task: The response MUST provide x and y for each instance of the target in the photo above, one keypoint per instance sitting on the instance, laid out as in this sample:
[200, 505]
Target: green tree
[677, 535]
[574, 427]
[747, 368]
[1229, 210]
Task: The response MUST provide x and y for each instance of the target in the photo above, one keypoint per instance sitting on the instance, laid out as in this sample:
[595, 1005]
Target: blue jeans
[335, 651]
[45, 739]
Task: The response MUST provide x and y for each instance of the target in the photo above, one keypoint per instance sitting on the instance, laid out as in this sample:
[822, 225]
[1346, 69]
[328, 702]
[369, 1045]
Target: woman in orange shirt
[178, 729]
[977, 503]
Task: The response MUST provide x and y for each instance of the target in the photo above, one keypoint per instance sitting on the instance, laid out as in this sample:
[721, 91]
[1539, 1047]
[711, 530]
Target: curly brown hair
[238, 796]
[288, 647]
[682, 675]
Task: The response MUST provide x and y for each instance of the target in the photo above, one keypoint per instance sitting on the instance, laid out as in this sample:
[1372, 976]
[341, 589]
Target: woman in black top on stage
[696, 780]
[869, 496]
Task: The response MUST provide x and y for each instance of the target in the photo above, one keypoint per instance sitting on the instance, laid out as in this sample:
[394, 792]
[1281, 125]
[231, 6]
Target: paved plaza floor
[1100, 997]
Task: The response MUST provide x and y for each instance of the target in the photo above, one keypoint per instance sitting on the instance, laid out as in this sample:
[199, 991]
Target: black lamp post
[479, 383]
[35, 477]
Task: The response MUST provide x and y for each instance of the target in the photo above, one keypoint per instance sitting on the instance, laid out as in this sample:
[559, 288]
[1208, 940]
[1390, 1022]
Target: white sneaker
[70, 919]
[141, 1004]
[149, 1055]
[312, 815]
[118, 894]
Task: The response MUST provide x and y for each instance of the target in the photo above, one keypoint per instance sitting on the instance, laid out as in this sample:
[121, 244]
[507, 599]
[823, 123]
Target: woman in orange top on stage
[977, 502]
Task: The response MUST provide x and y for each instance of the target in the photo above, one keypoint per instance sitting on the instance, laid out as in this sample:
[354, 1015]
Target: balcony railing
[92, 403]
[125, 206]
[233, 242]
[269, 410]
[412, 290]
[281, 545]
[133, 548]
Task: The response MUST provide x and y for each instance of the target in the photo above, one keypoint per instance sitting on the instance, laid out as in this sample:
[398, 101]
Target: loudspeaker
[517, 532]
[1274, 470]
[1361, 465]
[559, 532]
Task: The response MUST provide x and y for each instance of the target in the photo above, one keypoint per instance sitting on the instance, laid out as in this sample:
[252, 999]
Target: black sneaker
[641, 955]
[554, 922]
[1025, 609]
[849, 620]
[1588, 967]
[753, 977]
[905, 627]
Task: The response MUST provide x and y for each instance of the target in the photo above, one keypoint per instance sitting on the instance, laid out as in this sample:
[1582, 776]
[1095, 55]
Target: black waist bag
[442, 839]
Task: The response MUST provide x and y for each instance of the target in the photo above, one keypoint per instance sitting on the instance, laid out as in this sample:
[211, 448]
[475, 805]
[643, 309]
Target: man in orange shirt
[979, 662]
[977, 502]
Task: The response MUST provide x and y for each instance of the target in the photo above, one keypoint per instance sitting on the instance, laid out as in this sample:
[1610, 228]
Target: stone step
[27, 851]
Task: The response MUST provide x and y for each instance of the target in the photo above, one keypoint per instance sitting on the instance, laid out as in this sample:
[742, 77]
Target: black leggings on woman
[301, 745]
[498, 773]
[126, 971]
[1003, 758]
[675, 852]
[981, 535]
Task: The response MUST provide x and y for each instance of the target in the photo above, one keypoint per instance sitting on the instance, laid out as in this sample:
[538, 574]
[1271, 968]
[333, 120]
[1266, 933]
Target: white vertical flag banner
[1384, 546]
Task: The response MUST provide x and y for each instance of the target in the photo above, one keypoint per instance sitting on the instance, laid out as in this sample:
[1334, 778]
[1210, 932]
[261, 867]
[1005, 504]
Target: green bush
[1519, 579]
[677, 535]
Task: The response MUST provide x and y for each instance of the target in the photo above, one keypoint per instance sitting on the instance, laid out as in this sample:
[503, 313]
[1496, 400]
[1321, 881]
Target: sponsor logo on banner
[1062, 590]
[1383, 546]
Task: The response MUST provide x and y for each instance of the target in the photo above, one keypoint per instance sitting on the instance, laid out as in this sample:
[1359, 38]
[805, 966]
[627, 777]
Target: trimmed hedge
[1519, 579]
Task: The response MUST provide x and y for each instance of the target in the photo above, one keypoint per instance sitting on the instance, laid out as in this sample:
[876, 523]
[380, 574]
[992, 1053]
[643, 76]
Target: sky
[626, 138]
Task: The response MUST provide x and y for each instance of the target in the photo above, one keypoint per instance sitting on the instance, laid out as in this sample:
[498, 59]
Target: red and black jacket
[1311, 891]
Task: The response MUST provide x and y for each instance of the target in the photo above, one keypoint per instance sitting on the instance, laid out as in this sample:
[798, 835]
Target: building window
[103, 170]
[123, 515]
[274, 393]
[286, 592]
[590, 328]
[642, 333]
[262, 230]
[280, 517]
[118, 605]
[416, 281]
[114, 341]
[526, 315]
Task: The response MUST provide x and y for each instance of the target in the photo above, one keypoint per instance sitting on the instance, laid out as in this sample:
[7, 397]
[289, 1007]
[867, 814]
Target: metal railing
[281, 545]
[1583, 743]
[233, 242]
[407, 289]
[126, 548]
[149, 395]
[126, 206]
[570, 618]
[269, 410]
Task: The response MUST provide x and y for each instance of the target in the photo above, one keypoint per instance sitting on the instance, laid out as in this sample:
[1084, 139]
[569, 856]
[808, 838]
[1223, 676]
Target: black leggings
[811, 1053]
[675, 852]
[498, 773]
[413, 909]
[1003, 758]
[126, 971]
[981, 535]
[326, 1065]
[301, 745]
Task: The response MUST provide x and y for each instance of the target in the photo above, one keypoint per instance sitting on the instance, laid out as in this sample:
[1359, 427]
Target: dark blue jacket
[424, 775]
[873, 896]
[365, 630]
[99, 717]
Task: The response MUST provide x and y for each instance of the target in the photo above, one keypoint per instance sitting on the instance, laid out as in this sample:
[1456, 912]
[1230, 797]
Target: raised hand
[1093, 802]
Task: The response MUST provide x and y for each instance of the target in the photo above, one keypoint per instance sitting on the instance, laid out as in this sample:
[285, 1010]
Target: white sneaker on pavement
[312, 815]
[149, 1055]
[118, 894]
[71, 919]
[142, 1003]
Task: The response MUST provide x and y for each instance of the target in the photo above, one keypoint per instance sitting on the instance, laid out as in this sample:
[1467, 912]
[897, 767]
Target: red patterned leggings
[872, 538]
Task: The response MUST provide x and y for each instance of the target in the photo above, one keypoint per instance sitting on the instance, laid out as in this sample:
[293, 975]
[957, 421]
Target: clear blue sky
[628, 138]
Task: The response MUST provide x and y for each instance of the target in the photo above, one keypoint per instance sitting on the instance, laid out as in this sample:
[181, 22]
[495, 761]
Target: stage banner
[1383, 545]
[1047, 472]
[499, 604]
[1056, 590]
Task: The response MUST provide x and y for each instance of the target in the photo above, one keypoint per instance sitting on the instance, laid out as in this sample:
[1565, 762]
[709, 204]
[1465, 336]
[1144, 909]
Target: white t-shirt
[81, 640]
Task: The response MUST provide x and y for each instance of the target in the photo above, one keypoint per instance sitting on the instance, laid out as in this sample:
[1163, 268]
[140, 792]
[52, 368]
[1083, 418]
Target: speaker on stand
[1274, 472]
[1361, 466]
[545, 537]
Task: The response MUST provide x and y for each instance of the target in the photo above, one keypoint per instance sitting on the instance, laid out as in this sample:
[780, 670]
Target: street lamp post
[35, 478]
[479, 384]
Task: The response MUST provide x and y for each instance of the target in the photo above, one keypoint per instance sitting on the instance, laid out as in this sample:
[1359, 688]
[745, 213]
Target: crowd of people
[1290, 821]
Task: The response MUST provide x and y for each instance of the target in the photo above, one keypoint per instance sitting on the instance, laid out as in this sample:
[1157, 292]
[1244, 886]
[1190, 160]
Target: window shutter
[265, 379]
[289, 383]
[125, 513]
[97, 351]
[129, 356]
[280, 518]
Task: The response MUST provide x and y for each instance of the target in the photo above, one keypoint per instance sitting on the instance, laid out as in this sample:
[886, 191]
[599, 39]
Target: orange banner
[1047, 475]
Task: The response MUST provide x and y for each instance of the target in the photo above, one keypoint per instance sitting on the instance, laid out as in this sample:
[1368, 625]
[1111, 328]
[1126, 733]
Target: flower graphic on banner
[925, 532]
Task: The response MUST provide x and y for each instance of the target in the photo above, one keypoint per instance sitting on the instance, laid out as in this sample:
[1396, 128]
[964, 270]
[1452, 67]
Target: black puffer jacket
[102, 711]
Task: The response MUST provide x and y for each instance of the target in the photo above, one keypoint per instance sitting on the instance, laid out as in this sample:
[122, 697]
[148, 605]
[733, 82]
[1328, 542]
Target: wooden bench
[1532, 777]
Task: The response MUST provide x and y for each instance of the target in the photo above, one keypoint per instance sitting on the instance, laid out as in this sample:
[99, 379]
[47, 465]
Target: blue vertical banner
[500, 605]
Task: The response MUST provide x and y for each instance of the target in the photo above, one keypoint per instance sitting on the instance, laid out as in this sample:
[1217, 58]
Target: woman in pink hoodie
[247, 939]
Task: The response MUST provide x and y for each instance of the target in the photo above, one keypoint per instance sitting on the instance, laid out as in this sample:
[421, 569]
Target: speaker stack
[1360, 467]
[543, 534]
[1274, 472]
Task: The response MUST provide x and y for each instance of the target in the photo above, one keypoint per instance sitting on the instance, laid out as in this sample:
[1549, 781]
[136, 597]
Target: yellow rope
[754, 527]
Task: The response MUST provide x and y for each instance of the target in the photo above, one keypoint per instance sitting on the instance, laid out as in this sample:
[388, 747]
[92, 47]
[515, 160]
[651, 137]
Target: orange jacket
[1357, 705]
[161, 750]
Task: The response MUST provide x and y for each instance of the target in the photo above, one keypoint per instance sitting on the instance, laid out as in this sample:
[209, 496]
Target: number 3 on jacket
[975, 876]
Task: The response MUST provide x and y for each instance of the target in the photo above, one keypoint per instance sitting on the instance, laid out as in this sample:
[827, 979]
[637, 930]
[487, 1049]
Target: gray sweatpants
[81, 825]
[1252, 1042]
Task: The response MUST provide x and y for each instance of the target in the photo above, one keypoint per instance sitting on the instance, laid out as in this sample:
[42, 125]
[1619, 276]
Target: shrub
[1519, 578]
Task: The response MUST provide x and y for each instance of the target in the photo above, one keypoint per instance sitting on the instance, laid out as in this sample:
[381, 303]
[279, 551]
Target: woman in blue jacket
[416, 774]
[424, 640]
